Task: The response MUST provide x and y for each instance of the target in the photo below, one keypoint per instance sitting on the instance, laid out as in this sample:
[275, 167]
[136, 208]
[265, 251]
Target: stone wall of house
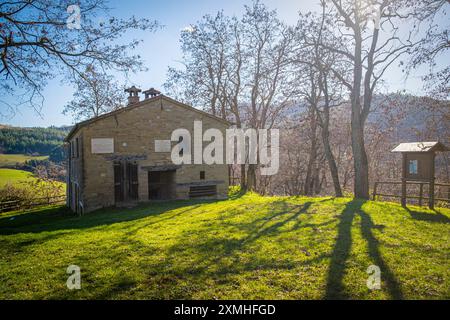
[75, 173]
[134, 132]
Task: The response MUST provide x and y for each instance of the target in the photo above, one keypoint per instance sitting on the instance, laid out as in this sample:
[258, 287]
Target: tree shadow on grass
[427, 216]
[206, 250]
[335, 288]
[275, 228]
[208, 256]
[341, 252]
[281, 212]
[387, 275]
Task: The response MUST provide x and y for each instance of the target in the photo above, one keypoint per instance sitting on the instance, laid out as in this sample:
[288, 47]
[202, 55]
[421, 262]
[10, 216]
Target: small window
[202, 175]
[77, 148]
[413, 167]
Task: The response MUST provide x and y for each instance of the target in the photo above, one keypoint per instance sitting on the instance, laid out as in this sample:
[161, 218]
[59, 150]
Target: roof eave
[436, 147]
[141, 103]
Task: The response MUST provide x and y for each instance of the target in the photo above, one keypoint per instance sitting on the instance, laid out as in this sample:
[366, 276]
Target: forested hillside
[42, 141]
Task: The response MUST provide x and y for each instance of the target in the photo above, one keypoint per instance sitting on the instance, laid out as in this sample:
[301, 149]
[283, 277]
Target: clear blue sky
[161, 49]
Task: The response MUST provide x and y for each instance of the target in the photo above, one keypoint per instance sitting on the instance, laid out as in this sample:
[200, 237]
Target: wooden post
[374, 190]
[431, 191]
[420, 194]
[431, 202]
[404, 180]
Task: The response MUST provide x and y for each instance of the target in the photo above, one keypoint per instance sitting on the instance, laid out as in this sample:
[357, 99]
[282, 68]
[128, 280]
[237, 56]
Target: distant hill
[8, 160]
[414, 118]
[32, 141]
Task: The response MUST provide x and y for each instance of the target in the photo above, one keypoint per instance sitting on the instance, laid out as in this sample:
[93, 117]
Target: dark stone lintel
[126, 157]
[163, 167]
[200, 183]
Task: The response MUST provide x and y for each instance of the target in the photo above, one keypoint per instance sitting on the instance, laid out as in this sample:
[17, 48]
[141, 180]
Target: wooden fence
[420, 197]
[31, 203]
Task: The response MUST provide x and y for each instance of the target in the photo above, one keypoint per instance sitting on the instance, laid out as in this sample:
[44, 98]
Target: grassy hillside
[14, 176]
[21, 179]
[12, 159]
[249, 247]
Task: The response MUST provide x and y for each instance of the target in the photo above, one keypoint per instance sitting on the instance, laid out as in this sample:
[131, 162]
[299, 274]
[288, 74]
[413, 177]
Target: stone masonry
[134, 129]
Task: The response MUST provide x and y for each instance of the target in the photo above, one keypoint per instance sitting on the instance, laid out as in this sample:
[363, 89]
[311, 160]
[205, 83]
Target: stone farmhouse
[124, 157]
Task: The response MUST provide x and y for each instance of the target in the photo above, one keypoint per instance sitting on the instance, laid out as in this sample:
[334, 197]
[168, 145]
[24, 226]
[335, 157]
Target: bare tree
[96, 93]
[213, 60]
[368, 54]
[42, 39]
[205, 47]
[268, 45]
[433, 45]
[307, 89]
[237, 68]
[322, 91]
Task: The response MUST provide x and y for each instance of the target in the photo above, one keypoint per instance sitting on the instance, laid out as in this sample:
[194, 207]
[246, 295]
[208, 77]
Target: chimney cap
[152, 92]
[133, 91]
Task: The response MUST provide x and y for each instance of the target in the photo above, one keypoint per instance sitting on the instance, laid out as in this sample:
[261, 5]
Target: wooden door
[133, 183]
[118, 182]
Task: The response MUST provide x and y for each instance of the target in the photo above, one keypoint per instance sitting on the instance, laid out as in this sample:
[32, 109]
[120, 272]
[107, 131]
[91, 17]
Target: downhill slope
[26, 180]
[250, 247]
[14, 177]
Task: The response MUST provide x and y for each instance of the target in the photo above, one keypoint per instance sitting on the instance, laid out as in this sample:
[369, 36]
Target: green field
[12, 159]
[21, 179]
[250, 247]
[14, 176]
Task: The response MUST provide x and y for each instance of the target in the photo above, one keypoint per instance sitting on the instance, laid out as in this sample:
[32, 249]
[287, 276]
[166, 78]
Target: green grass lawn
[250, 247]
[12, 159]
[14, 176]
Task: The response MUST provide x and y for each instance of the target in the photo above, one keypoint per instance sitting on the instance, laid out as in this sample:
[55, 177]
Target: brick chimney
[150, 93]
[134, 95]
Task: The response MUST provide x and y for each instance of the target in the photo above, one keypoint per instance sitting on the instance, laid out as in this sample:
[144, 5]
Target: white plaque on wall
[102, 145]
[162, 146]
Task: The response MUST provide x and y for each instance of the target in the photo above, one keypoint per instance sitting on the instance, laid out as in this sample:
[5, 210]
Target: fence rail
[419, 197]
[30, 203]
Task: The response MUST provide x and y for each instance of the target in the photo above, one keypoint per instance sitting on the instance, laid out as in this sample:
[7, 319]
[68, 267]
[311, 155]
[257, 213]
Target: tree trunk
[309, 180]
[317, 180]
[243, 180]
[361, 185]
[361, 180]
[331, 163]
[251, 177]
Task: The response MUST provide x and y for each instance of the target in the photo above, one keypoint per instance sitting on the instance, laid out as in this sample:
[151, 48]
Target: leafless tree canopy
[95, 94]
[36, 44]
[319, 80]
[434, 45]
